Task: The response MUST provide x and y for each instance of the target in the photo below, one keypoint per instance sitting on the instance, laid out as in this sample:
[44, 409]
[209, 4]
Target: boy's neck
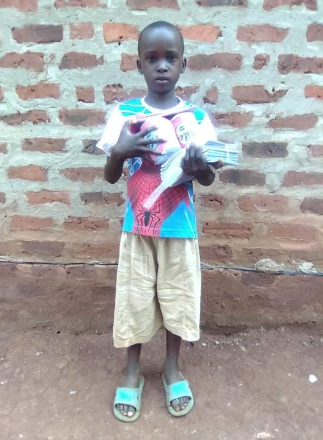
[161, 101]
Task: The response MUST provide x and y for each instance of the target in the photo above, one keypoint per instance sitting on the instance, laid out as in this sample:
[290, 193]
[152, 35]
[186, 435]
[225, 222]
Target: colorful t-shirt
[173, 214]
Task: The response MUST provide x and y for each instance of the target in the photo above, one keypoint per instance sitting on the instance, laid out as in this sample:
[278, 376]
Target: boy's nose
[162, 67]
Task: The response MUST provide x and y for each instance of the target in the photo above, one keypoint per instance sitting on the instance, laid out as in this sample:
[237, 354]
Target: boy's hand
[195, 165]
[135, 145]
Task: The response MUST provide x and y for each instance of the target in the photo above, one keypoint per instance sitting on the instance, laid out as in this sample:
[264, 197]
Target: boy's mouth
[162, 79]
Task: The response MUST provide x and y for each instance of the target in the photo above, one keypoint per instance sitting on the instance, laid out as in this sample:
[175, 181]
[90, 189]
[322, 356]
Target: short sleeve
[112, 131]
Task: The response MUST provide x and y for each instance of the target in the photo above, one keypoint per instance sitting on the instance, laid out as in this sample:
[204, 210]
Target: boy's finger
[147, 131]
[126, 125]
[217, 164]
[192, 156]
[151, 141]
[199, 157]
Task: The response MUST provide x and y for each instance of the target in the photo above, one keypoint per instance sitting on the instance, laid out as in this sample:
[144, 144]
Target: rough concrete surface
[260, 384]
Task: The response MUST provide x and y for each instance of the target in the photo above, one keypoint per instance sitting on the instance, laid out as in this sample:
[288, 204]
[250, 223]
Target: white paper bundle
[172, 174]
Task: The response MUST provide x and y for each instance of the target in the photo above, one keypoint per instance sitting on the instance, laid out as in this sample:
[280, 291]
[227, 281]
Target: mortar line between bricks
[204, 266]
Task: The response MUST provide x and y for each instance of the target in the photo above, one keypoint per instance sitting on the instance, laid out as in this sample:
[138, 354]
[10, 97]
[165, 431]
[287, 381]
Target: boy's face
[161, 59]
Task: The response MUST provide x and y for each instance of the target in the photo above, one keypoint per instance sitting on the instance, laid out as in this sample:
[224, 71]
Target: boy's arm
[194, 164]
[129, 145]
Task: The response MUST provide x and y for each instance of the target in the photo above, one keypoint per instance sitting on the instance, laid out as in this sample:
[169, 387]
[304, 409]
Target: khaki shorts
[158, 283]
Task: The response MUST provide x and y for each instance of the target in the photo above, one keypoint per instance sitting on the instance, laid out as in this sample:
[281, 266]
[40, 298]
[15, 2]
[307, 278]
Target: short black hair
[160, 24]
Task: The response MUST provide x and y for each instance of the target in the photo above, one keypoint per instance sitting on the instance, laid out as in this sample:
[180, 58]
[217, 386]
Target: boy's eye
[171, 59]
[151, 59]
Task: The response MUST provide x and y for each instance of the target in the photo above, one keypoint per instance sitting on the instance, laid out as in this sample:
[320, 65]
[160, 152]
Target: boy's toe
[183, 402]
[176, 405]
[131, 411]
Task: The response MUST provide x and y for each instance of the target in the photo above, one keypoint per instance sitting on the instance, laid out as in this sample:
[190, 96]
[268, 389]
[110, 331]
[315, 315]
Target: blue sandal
[131, 397]
[175, 391]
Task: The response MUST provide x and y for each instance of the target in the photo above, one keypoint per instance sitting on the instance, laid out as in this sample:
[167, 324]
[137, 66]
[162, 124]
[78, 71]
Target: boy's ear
[139, 66]
[184, 63]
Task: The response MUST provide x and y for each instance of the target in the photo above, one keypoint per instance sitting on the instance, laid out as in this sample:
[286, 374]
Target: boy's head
[161, 56]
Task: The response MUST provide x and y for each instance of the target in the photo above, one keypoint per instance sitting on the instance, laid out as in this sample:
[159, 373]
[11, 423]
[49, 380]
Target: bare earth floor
[260, 384]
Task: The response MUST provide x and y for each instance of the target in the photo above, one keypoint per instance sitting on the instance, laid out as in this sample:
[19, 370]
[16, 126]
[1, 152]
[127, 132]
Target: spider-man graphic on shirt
[173, 214]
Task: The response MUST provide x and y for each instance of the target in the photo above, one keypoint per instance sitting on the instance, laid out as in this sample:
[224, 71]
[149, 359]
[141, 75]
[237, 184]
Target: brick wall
[255, 65]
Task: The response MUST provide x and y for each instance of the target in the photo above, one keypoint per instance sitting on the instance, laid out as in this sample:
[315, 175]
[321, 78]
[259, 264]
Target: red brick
[211, 96]
[259, 279]
[255, 94]
[2, 198]
[1, 94]
[44, 145]
[81, 31]
[43, 197]
[243, 177]
[85, 94]
[236, 230]
[84, 174]
[234, 119]
[292, 231]
[316, 150]
[298, 178]
[33, 116]
[3, 148]
[265, 149]
[271, 4]
[314, 32]
[86, 224]
[28, 172]
[263, 203]
[314, 92]
[38, 33]
[214, 253]
[311, 204]
[142, 5]
[260, 61]
[94, 251]
[89, 147]
[222, 2]
[26, 222]
[261, 33]
[293, 63]
[43, 248]
[101, 198]
[78, 4]
[128, 62]
[38, 91]
[82, 117]
[228, 61]
[21, 5]
[80, 60]
[116, 32]
[201, 32]
[116, 92]
[28, 60]
[296, 122]
[113, 92]
[186, 92]
[213, 201]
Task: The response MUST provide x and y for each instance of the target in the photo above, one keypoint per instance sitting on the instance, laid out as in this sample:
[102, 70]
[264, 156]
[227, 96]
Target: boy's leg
[171, 371]
[132, 378]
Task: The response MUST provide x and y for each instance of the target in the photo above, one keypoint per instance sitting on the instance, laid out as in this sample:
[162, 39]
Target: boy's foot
[132, 380]
[173, 375]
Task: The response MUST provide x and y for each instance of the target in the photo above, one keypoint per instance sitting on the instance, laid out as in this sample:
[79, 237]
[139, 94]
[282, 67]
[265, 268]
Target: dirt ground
[260, 384]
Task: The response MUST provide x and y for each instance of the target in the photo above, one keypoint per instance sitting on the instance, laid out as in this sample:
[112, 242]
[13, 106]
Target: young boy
[158, 281]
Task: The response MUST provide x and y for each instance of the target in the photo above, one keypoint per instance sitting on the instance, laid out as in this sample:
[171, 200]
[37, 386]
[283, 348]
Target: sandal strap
[179, 389]
[128, 396]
